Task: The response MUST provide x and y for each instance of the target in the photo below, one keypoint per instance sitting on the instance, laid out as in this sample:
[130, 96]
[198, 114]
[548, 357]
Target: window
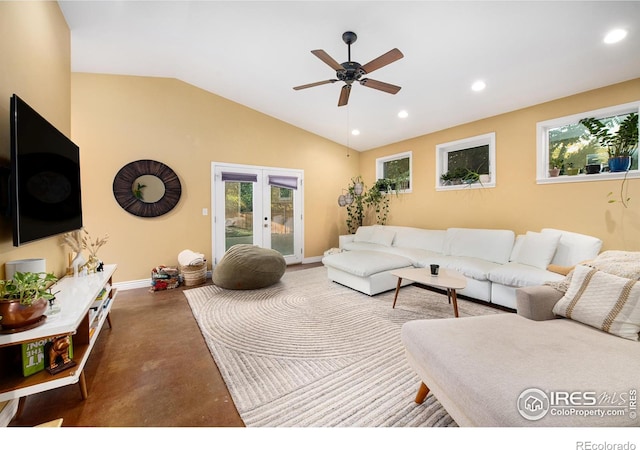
[567, 145]
[467, 163]
[396, 167]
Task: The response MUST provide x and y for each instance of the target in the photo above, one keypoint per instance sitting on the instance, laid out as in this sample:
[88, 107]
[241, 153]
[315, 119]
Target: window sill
[581, 178]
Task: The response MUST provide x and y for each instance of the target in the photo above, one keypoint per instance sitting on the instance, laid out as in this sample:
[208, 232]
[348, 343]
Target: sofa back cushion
[375, 234]
[574, 248]
[536, 249]
[409, 237]
[364, 234]
[490, 245]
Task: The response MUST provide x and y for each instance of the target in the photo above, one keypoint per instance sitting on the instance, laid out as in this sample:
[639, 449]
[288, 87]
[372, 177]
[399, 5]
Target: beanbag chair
[246, 266]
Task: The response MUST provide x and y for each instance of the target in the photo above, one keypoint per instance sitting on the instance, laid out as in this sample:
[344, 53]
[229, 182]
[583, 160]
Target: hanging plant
[355, 209]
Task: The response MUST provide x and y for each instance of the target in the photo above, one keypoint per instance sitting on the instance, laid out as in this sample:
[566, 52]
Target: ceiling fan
[351, 71]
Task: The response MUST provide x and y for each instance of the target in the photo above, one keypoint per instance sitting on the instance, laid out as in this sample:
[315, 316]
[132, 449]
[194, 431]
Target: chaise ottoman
[366, 271]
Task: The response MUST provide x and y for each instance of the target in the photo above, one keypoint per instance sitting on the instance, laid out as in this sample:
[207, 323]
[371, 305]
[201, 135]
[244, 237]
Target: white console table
[75, 297]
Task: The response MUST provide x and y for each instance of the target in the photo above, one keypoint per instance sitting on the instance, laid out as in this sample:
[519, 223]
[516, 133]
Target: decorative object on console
[24, 299]
[94, 264]
[73, 239]
[57, 354]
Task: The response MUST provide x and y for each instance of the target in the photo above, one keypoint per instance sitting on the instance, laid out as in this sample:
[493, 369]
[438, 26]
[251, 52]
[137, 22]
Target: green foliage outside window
[574, 144]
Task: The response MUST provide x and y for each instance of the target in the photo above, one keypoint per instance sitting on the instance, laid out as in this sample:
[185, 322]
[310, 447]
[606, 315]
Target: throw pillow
[383, 236]
[604, 301]
[537, 249]
[363, 234]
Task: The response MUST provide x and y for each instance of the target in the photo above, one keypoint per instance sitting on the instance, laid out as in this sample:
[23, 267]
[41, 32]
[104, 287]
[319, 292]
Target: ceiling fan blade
[317, 83]
[381, 61]
[344, 95]
[324, 56]
[380, 85]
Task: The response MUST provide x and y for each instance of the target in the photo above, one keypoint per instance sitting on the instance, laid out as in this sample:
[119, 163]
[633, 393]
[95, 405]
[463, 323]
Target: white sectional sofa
[495, 262]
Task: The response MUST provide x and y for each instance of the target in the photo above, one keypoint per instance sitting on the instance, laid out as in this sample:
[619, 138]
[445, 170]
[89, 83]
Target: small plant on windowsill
[459, 175]
[555, 166]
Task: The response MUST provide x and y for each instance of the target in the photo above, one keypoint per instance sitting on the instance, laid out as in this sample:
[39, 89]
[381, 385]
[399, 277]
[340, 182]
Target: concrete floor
[153, 369]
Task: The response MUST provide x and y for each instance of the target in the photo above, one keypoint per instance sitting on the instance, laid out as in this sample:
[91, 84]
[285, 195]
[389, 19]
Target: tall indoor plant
[620, 144]
[24, 299]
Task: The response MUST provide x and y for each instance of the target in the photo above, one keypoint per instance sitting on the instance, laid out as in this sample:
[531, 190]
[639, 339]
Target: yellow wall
[517, 202]
[36, 65]
[120, 119]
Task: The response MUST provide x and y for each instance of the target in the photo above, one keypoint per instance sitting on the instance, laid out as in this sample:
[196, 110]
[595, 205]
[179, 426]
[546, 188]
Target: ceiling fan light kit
[351, 71]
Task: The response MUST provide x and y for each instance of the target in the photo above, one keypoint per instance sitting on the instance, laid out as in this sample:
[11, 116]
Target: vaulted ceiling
[255, 52]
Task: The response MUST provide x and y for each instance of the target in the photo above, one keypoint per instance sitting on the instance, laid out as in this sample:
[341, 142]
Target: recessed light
[403, 114]
[614, 36]
[478, 85]
[355, 132]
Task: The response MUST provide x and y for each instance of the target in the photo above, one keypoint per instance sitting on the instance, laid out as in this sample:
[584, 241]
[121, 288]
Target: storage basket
[194, 275]
[163, 278]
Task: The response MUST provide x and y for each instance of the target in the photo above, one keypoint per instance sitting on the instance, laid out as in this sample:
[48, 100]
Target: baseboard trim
[138, 284]
[312, 259]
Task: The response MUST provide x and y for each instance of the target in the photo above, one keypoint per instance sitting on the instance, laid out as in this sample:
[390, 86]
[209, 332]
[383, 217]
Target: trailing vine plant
[355, 210]
[377, 198]
[374, 200]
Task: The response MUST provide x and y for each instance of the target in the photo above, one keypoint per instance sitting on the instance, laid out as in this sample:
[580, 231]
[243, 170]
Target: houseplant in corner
[24, 299]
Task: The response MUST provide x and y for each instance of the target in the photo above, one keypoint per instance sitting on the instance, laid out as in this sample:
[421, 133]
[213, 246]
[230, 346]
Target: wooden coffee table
[446, 279]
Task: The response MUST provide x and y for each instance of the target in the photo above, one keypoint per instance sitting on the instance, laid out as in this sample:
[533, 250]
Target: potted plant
[620, 145]
[376, 198]
[24, 299]
[572, 170]
[459, 175]
[555, 165]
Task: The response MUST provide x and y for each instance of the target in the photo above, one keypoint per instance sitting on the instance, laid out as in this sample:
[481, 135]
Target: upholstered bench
[366, 271]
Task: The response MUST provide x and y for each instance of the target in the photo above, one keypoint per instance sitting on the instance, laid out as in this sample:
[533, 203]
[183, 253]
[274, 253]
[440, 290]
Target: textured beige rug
[308, 352]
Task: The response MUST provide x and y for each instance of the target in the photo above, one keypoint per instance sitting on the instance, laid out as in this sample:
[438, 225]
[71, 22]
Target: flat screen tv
[44, 186]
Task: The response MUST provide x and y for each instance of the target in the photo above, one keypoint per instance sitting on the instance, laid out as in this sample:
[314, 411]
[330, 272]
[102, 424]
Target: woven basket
[194, 275]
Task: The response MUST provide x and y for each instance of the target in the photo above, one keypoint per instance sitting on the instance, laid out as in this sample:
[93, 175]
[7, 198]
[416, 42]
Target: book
[33, 357]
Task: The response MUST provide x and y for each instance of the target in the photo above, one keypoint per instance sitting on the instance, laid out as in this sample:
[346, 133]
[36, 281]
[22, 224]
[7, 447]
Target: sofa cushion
[520, 275]
[407, 237]
[574, 248]
[479, 384]
[383, 236]
[537, 249]
[602, 300]
[364, 234]
[364, 263]
[416, 255]
[491, 245]
[475, 268]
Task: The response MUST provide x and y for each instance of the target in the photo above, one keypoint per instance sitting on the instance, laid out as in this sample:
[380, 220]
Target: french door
[257, 205]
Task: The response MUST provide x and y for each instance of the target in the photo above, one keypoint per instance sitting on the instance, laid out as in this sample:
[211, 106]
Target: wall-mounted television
[44, 183]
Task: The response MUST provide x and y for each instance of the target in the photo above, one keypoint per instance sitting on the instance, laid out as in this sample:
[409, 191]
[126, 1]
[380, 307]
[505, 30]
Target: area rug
[308, 352]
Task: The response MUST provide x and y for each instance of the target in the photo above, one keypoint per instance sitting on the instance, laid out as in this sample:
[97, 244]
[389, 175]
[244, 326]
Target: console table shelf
[75, 296]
